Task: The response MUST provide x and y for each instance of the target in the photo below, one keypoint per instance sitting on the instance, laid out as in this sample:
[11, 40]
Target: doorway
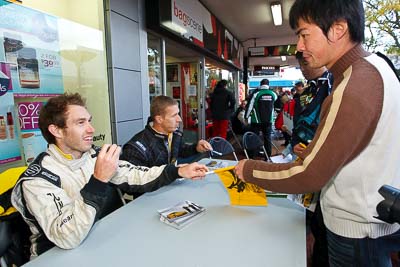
[189, 79]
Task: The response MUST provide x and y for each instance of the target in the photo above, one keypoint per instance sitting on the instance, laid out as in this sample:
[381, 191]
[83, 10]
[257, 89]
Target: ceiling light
[276, 10]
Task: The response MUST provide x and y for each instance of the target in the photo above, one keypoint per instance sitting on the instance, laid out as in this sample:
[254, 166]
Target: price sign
[50, 60]
[28, 113]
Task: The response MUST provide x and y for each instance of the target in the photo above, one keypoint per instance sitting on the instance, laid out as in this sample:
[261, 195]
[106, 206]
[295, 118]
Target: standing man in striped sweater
[349, 157]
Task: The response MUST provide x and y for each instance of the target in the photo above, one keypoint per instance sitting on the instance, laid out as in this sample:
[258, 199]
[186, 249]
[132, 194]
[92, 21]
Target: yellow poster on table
[241, 193]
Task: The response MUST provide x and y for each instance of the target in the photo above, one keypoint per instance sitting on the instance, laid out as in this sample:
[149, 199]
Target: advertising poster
[33, 142]
[9, 145]
[29, 43]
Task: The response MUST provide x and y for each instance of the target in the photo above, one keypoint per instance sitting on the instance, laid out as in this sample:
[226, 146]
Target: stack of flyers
[181, 214]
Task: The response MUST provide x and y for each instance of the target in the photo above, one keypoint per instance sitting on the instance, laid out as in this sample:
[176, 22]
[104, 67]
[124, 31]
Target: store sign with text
[192, 21]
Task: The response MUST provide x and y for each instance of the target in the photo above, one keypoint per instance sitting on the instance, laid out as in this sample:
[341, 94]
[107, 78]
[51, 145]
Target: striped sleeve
[349, 117]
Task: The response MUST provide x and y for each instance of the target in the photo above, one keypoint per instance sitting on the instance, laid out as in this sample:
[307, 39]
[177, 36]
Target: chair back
[252, 141]
[221, 147]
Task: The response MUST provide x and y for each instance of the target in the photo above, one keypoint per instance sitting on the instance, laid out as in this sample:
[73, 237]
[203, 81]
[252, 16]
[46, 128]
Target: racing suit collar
[72, 163]
[155, 133]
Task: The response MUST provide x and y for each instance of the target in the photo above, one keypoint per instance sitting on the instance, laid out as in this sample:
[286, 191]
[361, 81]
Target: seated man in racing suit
[161, 142]
[66, 189]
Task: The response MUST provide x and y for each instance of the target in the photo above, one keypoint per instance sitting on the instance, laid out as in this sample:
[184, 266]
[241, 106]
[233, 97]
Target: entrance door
[183, 84]
[181, 75]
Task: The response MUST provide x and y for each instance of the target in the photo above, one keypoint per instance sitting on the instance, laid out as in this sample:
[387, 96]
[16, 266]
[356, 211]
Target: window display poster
[192, 90]
[176, 92]
[33, 142]
[29, 43]
[9, 145]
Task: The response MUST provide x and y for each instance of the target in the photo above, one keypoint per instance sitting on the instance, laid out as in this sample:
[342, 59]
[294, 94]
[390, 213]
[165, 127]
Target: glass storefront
[154, 65]
[184, 82]
[48, 48]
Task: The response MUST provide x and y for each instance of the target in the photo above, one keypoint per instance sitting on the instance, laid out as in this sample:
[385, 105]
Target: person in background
[279, 121]
[308, 103]
[318, 87]
[278, 104]
[260, 111]
[299, 89]
[292, 92]
[66, 189]
[222, 106]
[239, 123]
[161, 141]
[349, 158]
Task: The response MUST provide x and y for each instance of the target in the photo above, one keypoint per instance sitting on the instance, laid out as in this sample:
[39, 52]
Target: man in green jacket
[260, 112]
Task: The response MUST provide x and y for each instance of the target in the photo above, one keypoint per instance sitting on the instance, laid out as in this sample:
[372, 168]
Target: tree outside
[382, 21]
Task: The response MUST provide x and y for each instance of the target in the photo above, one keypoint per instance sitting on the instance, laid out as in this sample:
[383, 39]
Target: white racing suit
[61, 200]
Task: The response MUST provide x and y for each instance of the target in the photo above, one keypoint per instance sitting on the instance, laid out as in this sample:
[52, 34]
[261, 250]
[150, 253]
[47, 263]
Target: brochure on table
[181, 214]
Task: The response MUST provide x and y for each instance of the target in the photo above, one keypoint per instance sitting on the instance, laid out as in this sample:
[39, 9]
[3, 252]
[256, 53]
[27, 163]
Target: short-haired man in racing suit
[161, 142]
[72, 185]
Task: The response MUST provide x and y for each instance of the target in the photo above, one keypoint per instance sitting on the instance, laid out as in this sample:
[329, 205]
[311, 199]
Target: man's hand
[203, 146]
[193, 171]
[107, 162]
[239, 169]
[298, 149]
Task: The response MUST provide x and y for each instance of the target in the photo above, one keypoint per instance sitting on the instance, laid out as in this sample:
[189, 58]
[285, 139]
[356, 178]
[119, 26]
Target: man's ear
[55, 130]
[158, 119]
[338, 30]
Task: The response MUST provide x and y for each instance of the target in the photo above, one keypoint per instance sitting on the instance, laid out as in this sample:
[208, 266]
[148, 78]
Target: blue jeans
[363, 252]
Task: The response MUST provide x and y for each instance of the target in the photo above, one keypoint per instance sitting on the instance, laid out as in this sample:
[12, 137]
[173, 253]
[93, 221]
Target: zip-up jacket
[60, 199]
[309, 107]
[222, 104]
[150, 148]
[261, 106]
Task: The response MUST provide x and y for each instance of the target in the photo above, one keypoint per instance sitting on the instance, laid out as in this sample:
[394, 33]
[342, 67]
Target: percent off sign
[28, 113]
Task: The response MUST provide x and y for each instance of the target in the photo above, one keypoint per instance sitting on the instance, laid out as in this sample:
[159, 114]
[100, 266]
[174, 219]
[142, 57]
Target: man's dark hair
[159, 104]
[264, 82]
[221, 84]
[54, 112]
[325, 12]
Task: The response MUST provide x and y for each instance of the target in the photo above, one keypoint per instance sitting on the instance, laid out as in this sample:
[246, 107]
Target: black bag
[14, 232]
[14, 240]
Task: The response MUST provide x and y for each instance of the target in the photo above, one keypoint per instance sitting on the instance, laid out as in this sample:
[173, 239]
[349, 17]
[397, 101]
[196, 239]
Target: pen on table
[216, 152]
[221, 170]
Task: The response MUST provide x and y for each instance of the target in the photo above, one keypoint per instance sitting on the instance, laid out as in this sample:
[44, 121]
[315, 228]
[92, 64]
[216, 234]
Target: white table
[224, 236]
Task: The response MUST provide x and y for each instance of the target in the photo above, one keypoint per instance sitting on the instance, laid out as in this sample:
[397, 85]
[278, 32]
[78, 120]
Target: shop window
[48, 48]
[154, 66]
